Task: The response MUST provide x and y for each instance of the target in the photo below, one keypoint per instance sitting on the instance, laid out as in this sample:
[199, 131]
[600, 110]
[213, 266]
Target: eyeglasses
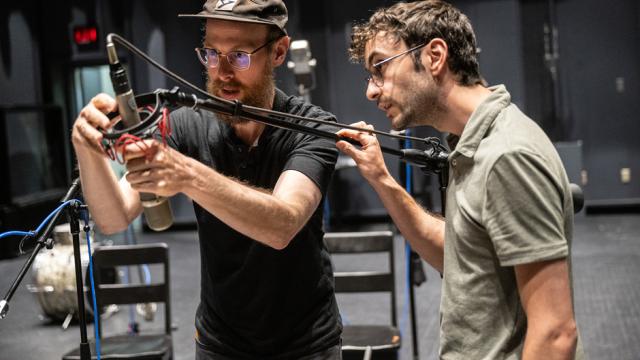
[240, 60]
[376, 74]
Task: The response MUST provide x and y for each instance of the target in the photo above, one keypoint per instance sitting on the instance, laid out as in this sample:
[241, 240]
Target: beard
[259, 95]
[422, 105]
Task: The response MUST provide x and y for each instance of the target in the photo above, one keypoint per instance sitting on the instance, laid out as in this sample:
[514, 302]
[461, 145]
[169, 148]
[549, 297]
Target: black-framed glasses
[376, 74]
[240, 60]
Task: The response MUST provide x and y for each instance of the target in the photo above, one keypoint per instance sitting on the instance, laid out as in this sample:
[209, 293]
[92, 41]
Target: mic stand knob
[4, 308]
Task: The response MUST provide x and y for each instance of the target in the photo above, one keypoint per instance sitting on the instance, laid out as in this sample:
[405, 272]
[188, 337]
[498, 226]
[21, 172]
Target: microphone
[157, 209]
[302, 65]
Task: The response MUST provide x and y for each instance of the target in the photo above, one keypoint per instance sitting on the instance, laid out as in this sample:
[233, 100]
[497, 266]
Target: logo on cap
[226, 5]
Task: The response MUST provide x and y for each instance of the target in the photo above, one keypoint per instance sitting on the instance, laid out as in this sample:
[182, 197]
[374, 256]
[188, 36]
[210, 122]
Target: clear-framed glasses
[376, 73]
[240, 60]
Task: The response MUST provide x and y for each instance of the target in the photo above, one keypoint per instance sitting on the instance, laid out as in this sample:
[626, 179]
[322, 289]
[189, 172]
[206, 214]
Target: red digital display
[85, 35]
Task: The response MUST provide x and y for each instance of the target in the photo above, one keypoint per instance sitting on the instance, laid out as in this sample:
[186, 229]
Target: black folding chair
[139, 347]
[367, 341]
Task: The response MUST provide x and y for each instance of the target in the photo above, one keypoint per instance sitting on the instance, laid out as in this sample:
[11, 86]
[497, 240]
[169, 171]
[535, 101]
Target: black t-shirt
[255, 301]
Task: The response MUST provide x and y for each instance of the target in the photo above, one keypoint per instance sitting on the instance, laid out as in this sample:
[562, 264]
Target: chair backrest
[120, 294]
[365, 281]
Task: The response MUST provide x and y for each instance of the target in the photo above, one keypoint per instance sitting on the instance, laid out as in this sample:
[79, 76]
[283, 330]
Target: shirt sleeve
[523, 210]
[315, 157]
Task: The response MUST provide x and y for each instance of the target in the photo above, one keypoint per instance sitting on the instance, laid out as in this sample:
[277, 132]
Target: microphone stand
[417, 275]
[405, 174]
[44, 241]
[432, 159]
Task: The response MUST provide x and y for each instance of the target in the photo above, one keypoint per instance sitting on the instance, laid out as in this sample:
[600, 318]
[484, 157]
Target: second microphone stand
[416, 272]
[73, 214]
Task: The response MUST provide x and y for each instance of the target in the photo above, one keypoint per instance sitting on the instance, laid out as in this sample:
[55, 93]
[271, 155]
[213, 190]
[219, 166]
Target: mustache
[385, 100]
[216, 84]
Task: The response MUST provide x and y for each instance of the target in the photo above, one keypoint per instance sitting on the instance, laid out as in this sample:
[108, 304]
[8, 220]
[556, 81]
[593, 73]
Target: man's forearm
[545, 291]
[254, 212]
[109, 207]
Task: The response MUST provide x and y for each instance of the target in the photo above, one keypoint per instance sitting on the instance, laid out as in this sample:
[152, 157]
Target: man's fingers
[364, 138]
[346, 148]
[346, 133]
[92, 136]
[363, 125]
[143, 186]
[141, 172]
[140, 176]
[358, 124]
[145, 149]
[104, 103]
[95, 118]
[137, 164]
[353, 133]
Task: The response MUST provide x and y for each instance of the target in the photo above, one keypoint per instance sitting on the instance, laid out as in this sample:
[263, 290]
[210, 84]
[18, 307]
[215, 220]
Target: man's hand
[158, 169]
[85, 134]
[369, 157]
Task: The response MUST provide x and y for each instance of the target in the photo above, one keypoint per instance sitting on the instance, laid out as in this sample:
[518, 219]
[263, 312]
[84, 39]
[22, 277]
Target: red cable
[164, 126]
[128, 139]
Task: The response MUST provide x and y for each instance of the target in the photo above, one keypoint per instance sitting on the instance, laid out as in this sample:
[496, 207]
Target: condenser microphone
[157, 209]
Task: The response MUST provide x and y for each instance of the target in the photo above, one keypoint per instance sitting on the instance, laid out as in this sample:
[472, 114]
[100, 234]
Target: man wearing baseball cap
[266, 277]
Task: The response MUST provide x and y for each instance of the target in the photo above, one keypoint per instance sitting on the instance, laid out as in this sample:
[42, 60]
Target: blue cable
[96, 311]
[147, 274]
[16, 233]
[42, 224]
[54, 212]
[407, 248]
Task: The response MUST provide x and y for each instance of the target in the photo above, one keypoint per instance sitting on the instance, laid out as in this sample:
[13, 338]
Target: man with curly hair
[504, 246]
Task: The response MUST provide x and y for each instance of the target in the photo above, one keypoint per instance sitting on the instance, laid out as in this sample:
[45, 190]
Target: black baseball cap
[269, 12]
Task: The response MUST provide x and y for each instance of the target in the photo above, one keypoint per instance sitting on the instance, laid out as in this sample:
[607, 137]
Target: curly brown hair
[419, 22]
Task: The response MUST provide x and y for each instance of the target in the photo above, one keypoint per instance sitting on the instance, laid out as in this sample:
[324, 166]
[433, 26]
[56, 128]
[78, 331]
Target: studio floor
[606, 260]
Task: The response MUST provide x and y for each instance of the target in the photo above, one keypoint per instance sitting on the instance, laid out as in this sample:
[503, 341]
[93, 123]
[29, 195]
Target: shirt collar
[480, 121]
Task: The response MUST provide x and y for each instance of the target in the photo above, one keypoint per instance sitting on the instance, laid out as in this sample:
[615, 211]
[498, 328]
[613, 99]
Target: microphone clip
[150, 116]
[434, 159]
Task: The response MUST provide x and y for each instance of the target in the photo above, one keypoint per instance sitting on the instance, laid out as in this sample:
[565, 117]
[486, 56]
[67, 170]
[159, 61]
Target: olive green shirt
[508, 203]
